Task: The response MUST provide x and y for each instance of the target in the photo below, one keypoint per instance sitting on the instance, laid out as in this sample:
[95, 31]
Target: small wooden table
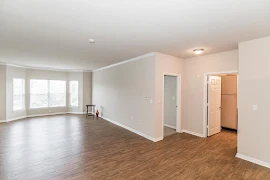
[93, 110]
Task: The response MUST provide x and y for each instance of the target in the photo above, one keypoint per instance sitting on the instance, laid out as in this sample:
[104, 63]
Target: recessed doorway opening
[221, 102]
[171, 104]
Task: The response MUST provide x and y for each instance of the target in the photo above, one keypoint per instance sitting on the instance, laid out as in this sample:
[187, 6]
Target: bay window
[47, 93]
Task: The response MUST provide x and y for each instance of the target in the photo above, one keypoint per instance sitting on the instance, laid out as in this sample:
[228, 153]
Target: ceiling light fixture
[198, 51]
[91, 40]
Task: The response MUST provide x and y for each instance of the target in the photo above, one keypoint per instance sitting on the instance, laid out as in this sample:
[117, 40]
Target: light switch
[255, 107]
[151, 101]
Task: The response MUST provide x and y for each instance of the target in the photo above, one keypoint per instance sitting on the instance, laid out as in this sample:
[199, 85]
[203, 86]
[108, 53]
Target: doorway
[222, 103]
[171, 104]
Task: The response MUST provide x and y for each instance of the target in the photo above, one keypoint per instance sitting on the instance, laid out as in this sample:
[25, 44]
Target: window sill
[48, 107]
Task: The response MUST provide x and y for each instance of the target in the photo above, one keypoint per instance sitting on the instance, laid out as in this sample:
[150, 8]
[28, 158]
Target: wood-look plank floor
[70, 147]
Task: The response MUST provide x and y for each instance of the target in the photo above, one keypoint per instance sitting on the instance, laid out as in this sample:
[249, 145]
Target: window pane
[39, 100]
[74, 93]
[18, 94]
[57, 93]
[38, 86]
[38, 93]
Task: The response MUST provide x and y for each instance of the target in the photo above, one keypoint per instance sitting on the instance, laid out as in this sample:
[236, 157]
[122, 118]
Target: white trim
[126, 61]
[39, 115]
[49, 114]
[205, 134]
[253, 160]
[179, 100]
[17, 118]
[193, 133]
[76, 112]
[169, 126]
[78, 70]
[43, 68]
[133, 130]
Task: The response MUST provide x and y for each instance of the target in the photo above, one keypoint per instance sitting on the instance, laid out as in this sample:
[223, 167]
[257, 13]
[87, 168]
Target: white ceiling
[55, 33]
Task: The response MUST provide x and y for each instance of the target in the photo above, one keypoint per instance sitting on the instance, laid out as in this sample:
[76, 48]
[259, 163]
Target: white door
[214, 105]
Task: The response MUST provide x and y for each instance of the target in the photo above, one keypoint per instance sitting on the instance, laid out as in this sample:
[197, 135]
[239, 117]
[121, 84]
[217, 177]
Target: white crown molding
[70, 70]
[127, 61]
[193, 133]
[253, 160]
[133, 130]
[42, 68]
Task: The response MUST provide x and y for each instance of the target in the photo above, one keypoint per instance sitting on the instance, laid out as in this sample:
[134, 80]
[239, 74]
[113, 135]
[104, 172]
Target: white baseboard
[17, 118]
[49, 114]
[39, 115]
[253, 160]
[169, 126]
[133, 130]
[76, 112]
[193, 133]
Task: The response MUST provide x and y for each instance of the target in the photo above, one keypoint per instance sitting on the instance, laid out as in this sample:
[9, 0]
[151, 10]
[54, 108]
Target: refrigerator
[229, 101]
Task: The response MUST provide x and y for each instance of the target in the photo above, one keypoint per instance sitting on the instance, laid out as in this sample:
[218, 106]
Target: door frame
[179, 100]
[205, 112]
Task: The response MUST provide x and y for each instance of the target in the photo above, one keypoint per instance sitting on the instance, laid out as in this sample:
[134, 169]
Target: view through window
[47, 93]
[18, 94]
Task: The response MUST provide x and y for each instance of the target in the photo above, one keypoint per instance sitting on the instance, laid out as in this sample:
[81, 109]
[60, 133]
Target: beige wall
[87, 89]
[254, 88]
[2, 92]
[164, 64]
[193, 97]
[119, 93]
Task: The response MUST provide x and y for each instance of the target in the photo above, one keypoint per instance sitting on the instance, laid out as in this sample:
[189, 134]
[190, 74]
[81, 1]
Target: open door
[214, 105]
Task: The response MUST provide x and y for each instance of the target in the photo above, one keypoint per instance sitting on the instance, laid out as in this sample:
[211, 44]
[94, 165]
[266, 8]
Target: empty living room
[139, 90]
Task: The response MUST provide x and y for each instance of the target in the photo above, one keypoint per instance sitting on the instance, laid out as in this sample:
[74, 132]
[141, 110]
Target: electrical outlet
[255, 107]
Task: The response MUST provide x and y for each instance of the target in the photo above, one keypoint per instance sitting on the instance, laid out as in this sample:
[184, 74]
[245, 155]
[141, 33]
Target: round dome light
[91, 40]
[198, 51]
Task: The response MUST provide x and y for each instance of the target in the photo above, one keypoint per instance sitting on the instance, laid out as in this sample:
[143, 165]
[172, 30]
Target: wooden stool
[93, 110]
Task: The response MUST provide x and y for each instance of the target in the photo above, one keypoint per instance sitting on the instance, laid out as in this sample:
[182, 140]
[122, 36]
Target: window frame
[31, 94]
[48, 94]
